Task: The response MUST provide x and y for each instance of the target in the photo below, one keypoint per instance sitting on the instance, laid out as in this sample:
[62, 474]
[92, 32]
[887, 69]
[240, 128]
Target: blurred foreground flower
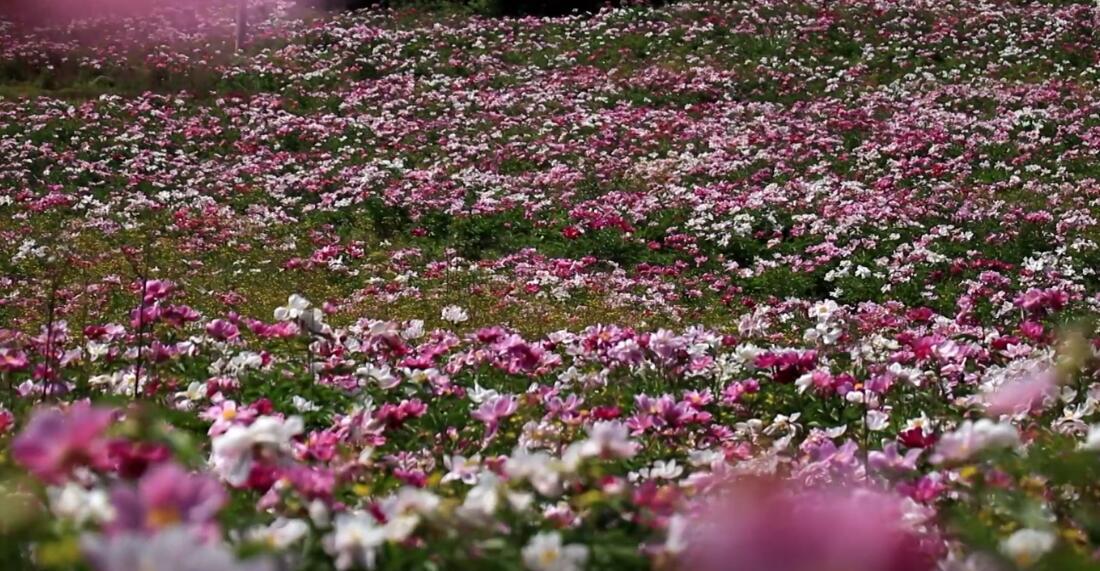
[763, 525]
[171, 550]
[55, 441]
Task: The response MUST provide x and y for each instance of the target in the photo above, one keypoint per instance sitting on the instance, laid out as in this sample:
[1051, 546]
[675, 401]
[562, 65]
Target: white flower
[454, 314]
[404, 511]
[676, 535]
[482, 500]
[413, 329]
[1027, 546]
[81, 506]
[462, 469]
[660, 470]
[355, 540]
[877, 420]
[298, 309]
[607, 440]
[303, 405]
[539, 468]
[545, 552]
[479, 394]
[823, 310]
[231, 452]
[973, 437]
[1092, 441]
[280, 534]
[382, 375]
[295, 306]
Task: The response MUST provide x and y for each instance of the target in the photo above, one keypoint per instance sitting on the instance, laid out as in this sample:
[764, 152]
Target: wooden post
[242, 24]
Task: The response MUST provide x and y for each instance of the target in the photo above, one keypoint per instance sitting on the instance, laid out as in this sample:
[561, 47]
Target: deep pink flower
[1021, 396]
[55, 441]
[132, 459]
[168, 495]
[12, 360]
[493, 410]
[762, 526]
[222, 330]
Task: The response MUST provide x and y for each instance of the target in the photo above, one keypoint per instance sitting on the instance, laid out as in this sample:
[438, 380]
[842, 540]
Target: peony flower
[1026, 546]
[79, 505]
[454, 314]
[607, 440]
[173, 549]
[279, 534]
[222, 330]
[355, 540]
[55, 441]
[493, 409]
[1092, 440]
[298, 309]
[461, 469]
[232, 452]
[973, 437]
[756, 526]
[545, 552]
[1021, 396]
[167, 496]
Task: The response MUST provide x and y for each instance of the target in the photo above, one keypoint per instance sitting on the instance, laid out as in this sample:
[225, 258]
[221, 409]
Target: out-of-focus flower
[55, 441]
[756, 526]
[279, 534]
[1092, 440]
[545, 552]
[355, 540]
[1021, 396]
[167, 496]
[973, 437]
[1026, 546]
[80, 505]
[173, 549]
[454, 314]
[232, 452]
[609, 439]
[890, 460]
[462, 469]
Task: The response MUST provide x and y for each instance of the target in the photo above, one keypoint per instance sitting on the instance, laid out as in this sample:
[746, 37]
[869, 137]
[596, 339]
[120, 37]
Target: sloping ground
[569, 274]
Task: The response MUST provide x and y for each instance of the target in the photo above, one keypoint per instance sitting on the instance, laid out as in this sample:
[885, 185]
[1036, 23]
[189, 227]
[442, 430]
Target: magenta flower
[168, 495]
[1021, 396]
[779, 528]
[890, 460]
[493, 410]
[222, 330]
[55, 441]
[12, 360]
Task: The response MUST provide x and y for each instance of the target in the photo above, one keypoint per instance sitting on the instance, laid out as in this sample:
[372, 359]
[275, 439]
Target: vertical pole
[242, 24]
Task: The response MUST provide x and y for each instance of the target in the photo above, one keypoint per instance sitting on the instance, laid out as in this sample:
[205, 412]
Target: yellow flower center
[163, 517]
[549, 556]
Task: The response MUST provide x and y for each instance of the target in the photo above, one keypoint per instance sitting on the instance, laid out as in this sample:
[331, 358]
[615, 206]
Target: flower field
[744, 285]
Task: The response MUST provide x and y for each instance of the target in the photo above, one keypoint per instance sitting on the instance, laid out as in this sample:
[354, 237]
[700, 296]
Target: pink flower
[1021, 396]
[12, 360]
[226, 414]
[166, 496]
[777, 527]
[132, 459]
[890, 460]
[55, 441]
[222, 330]
[493, 409]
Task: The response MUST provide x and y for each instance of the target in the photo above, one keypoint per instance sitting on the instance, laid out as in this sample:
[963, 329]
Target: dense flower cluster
[781, 285]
